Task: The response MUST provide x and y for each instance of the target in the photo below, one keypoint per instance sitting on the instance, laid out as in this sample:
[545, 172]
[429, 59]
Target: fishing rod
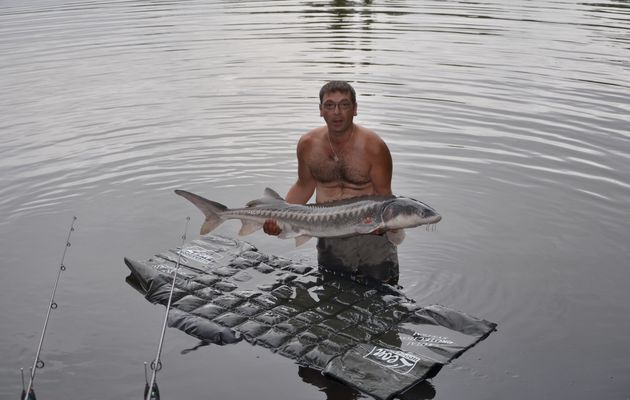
[28, 393]
[151, 391]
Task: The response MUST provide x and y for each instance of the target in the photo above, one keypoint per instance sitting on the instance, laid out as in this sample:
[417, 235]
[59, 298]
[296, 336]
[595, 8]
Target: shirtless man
[342, 160]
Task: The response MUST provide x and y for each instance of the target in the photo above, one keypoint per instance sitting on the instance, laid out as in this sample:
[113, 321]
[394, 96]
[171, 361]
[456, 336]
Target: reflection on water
[511, 119]
[336, 390]
[332, 389]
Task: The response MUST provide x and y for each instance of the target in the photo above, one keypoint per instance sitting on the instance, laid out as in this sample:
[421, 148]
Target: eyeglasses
[343, 105]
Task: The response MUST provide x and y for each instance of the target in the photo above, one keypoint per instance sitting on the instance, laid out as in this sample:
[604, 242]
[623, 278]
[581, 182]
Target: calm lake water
[511, 118]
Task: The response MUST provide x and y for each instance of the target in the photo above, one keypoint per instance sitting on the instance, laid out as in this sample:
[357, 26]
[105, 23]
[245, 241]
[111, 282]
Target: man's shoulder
[368, 133]
[313, 135]
[373, 140]
[316, 132]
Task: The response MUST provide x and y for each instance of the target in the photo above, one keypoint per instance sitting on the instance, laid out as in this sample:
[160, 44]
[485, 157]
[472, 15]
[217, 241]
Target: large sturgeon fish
[358, 215]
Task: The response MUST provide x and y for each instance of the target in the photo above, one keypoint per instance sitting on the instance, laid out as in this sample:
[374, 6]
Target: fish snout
[431, 215]
[406, 213]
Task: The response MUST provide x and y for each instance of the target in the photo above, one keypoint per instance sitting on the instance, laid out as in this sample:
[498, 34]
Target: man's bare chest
[353, 172]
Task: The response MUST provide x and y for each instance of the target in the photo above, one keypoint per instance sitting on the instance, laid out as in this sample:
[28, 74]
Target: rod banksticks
[27, 392]
[151, 391]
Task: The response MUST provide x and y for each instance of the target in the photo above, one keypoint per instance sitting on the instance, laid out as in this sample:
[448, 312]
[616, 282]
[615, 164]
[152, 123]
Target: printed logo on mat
[168, 269]
[199, 254]
[396, 360]
[424, 339]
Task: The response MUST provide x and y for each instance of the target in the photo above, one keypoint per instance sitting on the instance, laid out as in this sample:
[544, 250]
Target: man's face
[338, 111]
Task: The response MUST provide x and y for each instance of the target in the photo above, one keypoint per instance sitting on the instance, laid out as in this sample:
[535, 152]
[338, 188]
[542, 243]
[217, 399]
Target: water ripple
[511, 119]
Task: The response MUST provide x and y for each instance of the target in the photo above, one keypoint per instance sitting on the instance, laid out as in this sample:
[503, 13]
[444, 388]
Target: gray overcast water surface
[510, 118]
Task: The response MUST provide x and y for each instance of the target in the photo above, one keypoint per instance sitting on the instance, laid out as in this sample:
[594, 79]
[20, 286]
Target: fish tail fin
[211, 209]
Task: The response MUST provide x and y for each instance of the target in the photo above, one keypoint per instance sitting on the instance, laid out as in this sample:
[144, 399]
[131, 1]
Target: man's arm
[381, 169]
[302, 189]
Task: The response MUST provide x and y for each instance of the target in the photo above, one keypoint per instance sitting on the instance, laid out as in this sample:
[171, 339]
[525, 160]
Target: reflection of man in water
[337, 161]
[334, 390]
[310, 297]
[338, 391]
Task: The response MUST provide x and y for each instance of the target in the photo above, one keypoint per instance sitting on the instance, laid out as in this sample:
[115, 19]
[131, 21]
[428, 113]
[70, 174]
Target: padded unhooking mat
[370, 337]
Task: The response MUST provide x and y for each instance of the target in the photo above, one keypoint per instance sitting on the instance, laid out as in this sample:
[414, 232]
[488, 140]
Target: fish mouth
[430, 216]
[433, 219]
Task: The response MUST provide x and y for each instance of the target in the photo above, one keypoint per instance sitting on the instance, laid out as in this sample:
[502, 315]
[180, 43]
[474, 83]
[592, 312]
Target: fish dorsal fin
[272, 194]
[269, 196]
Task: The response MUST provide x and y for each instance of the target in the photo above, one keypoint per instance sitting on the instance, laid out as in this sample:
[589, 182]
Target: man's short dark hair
[337, 86]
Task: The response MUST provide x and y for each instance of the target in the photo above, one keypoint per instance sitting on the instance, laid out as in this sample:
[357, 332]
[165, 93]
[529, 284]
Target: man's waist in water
[340, 190]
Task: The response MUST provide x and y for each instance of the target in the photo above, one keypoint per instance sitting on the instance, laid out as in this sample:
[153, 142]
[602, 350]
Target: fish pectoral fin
[366, 228]
[396, 236]
[367, 225]
[248, 228]
[300, 240]
[288, 233]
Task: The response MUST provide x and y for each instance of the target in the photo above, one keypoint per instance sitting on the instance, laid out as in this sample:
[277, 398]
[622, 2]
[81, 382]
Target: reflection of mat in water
[372, 338]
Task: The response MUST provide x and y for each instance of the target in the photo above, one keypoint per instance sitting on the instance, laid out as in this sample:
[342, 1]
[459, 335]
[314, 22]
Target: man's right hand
[271, 227]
